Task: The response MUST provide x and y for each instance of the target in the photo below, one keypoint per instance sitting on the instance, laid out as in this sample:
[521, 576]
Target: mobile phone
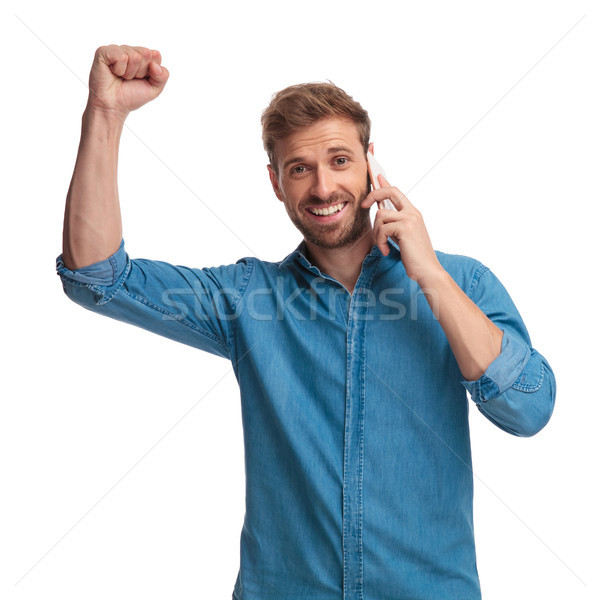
[374, 169]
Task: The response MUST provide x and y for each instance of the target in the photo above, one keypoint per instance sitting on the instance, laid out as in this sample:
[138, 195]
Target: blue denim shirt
[355, 416]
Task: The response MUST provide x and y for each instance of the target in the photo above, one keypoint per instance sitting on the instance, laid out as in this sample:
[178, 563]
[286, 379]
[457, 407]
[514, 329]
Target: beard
[332, 235]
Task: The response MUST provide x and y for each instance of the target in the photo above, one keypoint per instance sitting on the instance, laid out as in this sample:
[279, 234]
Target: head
[301, 105]
[317, 137]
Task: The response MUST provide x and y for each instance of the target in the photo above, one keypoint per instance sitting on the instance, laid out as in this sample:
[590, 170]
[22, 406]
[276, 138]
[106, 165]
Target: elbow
[534, 395]
[533, 424]
[81, 294]
[542, 405]
[524, 410]
[95, 284]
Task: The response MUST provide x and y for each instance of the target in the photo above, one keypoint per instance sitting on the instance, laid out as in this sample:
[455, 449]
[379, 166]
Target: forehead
[320, 136]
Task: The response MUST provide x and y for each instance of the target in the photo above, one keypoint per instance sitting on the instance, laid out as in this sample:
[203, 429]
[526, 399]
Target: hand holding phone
[375, 169]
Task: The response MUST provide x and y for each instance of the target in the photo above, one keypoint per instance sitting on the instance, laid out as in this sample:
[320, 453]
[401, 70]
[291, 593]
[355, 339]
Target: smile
[330, 210]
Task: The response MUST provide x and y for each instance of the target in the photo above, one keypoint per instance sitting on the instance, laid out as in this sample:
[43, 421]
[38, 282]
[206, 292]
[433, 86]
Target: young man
[352, 354]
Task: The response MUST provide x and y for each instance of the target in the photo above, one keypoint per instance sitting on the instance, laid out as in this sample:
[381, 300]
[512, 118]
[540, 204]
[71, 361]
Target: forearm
[92, 225]
[475, 341]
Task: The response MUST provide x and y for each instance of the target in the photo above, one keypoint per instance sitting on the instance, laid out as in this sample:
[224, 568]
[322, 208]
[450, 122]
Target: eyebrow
[300, 159]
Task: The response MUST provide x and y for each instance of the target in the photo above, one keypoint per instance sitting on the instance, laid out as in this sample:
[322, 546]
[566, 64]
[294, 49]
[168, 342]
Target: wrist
[95, 115]
[434, 278]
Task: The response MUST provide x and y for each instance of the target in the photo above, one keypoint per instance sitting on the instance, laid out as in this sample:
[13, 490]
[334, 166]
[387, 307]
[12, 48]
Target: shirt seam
[248, 272]
[175, 317]
[362, 425]
[530, 387]
[119, 287]
[113, 264]
[481, 269]
[117, 283]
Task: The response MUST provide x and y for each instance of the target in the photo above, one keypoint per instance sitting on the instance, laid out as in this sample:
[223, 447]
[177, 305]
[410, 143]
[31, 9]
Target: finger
[156, 56]
[370, 200]
[380, 237]
[398, 199]
[383, 245]
[157, 76]
[389, 215]
[114, 56]
[381, 195]
[384, 230]
[383, 182]
[133, 63]
[146, 55]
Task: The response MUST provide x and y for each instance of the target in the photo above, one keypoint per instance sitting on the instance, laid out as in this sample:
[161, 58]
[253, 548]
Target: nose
[323, 184]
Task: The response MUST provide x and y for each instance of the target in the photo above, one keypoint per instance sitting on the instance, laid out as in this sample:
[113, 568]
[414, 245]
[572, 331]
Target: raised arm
[191, 306]
[122, 79]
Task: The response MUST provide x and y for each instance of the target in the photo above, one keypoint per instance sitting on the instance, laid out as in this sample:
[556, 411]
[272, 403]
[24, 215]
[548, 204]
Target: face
[322, 181]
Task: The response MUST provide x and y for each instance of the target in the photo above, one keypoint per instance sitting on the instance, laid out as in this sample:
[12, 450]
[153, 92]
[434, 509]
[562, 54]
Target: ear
[371, 148]
[275, 182]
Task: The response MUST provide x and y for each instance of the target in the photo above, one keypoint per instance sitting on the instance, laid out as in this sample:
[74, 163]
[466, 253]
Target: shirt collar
[299, 254]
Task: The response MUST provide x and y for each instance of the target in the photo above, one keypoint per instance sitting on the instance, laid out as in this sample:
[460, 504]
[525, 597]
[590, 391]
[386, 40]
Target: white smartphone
[375, 169]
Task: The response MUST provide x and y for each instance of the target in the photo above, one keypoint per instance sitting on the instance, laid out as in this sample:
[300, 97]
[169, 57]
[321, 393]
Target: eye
[298, 170]
[340, 161]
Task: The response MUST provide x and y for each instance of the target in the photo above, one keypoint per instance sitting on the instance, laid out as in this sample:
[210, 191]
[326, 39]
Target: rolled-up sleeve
[197, 307]
[518, 390]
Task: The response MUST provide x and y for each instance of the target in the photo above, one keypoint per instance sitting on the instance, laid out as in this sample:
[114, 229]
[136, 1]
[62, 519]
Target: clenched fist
[123, 78]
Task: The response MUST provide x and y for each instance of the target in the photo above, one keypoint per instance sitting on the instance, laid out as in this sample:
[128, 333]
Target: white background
[121, 453]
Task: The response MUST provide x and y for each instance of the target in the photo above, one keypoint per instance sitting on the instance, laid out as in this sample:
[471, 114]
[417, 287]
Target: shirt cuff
[105, 272]
[503, 372]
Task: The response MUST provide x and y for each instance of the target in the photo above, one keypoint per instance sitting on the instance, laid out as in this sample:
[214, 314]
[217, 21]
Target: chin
[334, 239]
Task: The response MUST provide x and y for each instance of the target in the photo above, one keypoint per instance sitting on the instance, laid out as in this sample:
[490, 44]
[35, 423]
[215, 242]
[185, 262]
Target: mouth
[327, 213]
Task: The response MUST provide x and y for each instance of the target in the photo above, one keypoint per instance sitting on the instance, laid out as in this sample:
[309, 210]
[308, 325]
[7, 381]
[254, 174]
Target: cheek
[359, 180]
[296, 193]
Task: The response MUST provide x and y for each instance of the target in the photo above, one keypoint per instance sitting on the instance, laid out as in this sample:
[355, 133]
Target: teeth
[327, 211]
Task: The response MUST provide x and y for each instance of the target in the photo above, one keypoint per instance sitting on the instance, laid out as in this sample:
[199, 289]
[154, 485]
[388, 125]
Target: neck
[343, 264]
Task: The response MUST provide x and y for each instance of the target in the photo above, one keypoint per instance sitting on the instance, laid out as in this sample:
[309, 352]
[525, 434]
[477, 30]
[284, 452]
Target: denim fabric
[355, 416]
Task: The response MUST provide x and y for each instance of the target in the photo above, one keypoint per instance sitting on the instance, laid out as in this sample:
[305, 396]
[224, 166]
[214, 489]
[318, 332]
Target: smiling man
[353, 354]
[322, 168]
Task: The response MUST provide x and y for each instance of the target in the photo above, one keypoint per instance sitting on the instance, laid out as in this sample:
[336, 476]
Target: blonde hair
[300, 105]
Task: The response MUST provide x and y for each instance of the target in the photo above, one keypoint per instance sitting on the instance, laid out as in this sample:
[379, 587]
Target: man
[352, 354]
